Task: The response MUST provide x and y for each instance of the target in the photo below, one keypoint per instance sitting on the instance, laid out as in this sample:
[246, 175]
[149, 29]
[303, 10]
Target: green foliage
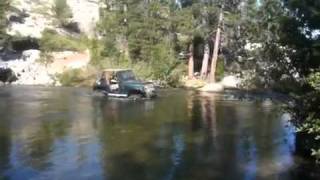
[4, 5]
[297, 31]
[297, 34]
[312, 127]
[220, 69]
[307, 114]
[314, 81]
[45, 58]
[78, 77]
[96, 51]
[174, 78]
[141, 35]
[70, 77]
[162, 61]
[312, 124]
[52, 41]
[316, 154]
[62, 11]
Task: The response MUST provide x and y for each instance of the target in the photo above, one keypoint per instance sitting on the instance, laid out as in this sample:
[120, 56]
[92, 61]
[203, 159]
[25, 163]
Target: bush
[220, 69]
[308, 114]
[96, 50]
[71, 77]
[4, 4]
[78, 77]
[45, 58]
[314, 81]
[174, 79]
[52, 41]
[161, 63]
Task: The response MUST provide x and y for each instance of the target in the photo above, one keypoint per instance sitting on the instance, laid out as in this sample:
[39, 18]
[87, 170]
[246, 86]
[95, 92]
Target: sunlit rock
[230, 82]
[30, 18]
[85, 13]
[67, 60]
[193, 83]
[252, 46]
[34, 17]
[212, 87]
[28, 71]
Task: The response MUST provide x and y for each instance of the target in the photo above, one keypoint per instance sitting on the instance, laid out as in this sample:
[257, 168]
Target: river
[67, 133]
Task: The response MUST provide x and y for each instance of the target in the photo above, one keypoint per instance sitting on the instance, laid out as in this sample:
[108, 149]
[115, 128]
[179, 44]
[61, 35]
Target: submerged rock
[267, 102]
[7, 75]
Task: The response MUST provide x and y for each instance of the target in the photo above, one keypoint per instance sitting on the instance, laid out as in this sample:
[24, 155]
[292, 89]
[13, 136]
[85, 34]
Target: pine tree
[216, 47]
[4, 5]
[300, 33]
[62, 11]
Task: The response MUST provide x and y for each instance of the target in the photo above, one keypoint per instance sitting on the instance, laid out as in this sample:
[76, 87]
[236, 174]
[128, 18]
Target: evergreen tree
[62, 11]
[4, 5]
[300, 33]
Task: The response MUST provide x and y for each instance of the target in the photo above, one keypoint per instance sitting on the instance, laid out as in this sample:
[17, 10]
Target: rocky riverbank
[22, 53]
[227, 82]
[29, 70]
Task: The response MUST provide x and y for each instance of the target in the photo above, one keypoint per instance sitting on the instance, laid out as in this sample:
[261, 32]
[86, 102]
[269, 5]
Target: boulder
[267, 102]
[68, 60]
[30, 18]
[230, 82]
[193, 83]
[7, 75]
[86, 13]
[16, 19]
[212, 87]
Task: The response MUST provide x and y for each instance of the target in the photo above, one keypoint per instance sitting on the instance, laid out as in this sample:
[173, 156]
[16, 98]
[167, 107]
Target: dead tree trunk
[205, 61]
[216, 49]
[191, 62]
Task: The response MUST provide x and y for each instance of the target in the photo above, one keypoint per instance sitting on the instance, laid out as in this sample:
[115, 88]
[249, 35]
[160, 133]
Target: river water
[67, 133]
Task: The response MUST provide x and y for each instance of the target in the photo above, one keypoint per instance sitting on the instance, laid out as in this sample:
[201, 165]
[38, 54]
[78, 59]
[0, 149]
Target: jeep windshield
[126, 76]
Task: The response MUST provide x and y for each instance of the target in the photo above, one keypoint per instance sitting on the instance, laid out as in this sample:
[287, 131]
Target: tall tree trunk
[205, 61]
[191, 62]
[216, 49]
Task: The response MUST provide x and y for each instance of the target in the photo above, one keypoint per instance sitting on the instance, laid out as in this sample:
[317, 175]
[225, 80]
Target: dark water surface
[66, 133]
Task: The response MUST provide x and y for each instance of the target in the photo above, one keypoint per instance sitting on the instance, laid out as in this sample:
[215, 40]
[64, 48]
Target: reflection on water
[64, 133]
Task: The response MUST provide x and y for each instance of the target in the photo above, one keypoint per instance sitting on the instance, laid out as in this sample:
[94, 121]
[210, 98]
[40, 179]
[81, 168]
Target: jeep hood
[135, 82]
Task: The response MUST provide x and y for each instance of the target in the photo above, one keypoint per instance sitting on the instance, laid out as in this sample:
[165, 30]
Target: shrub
[314, 80]
[78, 77]
[52, 41]
[96, 50]
[4, 4]
[70, 77]
[220, 69]
[45, 58]
[309, 111]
